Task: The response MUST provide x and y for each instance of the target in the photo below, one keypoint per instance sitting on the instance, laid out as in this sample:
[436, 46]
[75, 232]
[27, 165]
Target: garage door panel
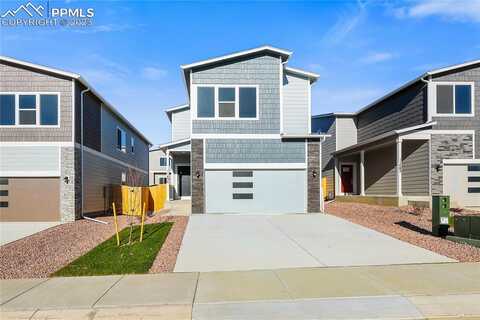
[459, 185]
[31, 199]
[273, 191]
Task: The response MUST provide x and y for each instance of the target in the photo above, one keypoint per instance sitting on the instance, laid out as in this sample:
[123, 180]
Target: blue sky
[361, 49]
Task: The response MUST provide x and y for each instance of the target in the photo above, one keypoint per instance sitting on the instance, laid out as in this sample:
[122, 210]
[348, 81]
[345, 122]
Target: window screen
[444, 99]
[27, 109]
[7, 109]
[248, 102]
[226, 102]
[205, 102]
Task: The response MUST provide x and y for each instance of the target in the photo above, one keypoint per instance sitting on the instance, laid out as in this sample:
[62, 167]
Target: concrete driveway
[247, 242]
[11, 231]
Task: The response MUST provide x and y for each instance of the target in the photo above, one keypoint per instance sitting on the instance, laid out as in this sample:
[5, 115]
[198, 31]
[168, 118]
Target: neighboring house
[422, 139]
[57, 162]
[243, 144]
[158, 163]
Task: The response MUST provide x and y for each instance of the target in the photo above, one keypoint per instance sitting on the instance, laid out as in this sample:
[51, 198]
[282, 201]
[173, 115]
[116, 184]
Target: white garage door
[462, 183]
[255, 191]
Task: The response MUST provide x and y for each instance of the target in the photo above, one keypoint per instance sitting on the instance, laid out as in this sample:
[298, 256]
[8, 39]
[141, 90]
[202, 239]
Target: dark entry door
[184, 181]
[347, 178]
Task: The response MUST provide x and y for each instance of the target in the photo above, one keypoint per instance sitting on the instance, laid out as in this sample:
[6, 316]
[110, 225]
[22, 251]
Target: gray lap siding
[404, 109]
[415, 167]
[380, 171]
[263, 71]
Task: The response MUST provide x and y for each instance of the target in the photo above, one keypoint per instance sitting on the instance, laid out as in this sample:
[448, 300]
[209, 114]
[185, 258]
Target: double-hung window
[132, 144]
[227, 102]
[29, 109]
[163, 162]
[121, 140]
[454, 99]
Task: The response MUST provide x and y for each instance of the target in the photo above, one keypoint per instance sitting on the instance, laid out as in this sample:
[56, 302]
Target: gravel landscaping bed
[408, 224]
[43, 253]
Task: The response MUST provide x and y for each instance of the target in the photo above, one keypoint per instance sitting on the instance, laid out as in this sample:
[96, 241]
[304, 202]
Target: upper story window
[29, 109]
[132, 144]
[454, 99]
[121, 140]
[163, 161]
[226, 102]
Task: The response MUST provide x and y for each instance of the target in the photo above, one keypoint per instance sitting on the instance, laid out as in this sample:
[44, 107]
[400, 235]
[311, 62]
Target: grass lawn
[107, 258]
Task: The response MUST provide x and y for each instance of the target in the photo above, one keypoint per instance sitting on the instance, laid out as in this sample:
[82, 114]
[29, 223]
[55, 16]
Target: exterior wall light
[66, 179]
[314, 173]
[197, 174]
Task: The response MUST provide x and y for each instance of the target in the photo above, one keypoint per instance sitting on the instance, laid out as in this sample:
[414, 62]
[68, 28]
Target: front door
[184, 181]
[347, 178]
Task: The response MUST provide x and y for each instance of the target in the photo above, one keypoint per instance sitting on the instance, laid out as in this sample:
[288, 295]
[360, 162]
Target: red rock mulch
[408, 224]
[43, 253]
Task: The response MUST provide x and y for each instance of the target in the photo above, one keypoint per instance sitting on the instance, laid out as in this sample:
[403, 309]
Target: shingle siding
[404, 109]
[181, 125]
[470, 74]
[263, 71]
[254, 151]
[22, 79]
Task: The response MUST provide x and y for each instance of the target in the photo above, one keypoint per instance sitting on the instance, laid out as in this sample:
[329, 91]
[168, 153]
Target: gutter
[82, 94]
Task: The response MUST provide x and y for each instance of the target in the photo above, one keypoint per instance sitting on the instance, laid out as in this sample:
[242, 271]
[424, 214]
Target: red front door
[347, 178]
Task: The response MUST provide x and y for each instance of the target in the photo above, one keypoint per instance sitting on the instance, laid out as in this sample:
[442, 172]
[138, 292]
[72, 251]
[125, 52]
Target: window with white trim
[227, 102]
[163, 161]
[121, 140]
[454, 99]
[29, 109]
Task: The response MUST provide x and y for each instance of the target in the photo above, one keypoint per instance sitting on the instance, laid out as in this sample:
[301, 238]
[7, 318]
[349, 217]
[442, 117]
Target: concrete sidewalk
[424, 291]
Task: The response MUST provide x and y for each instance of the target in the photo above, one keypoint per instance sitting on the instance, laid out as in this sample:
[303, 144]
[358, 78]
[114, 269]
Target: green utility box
[440, 215]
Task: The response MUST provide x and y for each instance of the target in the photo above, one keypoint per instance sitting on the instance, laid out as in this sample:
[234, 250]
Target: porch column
[399, 167]
[362, 172]
[168, 175]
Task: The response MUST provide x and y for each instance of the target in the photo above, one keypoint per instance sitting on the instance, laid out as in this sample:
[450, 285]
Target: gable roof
[424, 75]
[79, 78]
[171, 110]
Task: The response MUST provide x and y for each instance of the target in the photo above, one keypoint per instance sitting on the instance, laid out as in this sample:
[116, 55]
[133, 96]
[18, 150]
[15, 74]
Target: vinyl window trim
[194, 114]
[433, 98]
[37, 95]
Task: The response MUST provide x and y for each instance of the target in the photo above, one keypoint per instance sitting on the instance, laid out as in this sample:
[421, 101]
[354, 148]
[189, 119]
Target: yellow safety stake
[143, 219]
[116, 225]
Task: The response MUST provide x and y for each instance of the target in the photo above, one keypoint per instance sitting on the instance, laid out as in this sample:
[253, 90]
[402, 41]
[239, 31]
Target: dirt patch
[407, 223]
[43, 253]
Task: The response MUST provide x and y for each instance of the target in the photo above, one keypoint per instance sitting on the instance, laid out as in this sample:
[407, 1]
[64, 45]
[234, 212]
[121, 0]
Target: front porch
[179, 182]
[391, 170]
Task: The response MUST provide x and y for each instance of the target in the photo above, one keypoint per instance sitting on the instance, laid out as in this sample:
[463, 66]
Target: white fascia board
[461, 161]
[312, 76]
[177, 108]
[420, 126]
[303, 136]
[173, 143]
[334, 114]
[260, 166]
[453, 67]
[40, 67]
[236, 55]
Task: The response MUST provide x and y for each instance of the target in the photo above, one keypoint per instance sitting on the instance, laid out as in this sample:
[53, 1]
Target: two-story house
[243, 143]
[62, 145]
[419, 140]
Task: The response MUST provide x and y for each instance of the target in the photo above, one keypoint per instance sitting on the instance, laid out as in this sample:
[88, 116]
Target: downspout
[82, 93]
[427, 84]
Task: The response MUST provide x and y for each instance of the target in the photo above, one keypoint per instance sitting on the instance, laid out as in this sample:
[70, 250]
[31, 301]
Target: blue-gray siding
[260, 70]
[181, 125]
[254, 151]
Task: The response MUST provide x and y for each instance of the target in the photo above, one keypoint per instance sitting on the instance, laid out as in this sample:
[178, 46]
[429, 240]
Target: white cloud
[458, 10]
[346, 24]
[153, 73]
[376, 57]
